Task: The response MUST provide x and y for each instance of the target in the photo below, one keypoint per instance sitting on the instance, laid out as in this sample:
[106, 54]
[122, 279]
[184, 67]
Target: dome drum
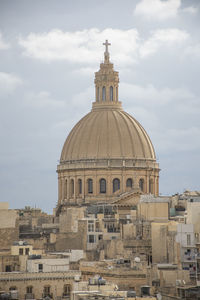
[117, 182]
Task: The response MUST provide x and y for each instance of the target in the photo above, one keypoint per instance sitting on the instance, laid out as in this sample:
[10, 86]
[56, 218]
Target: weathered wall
[68, 220]
[73, 240]
[164, 246]
[153, 211]
[9, 228]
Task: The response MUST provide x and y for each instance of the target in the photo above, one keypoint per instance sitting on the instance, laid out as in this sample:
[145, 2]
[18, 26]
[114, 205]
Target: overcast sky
[49, 51]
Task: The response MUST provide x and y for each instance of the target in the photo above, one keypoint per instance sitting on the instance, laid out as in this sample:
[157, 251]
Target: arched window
[141, 184]
[90, 186]
[116, 185]
[80, 186]
[66, 290]
[129, 183]
[111, 93]
[104, 93]
[102, 184]
[151, 186]
[72, 187]
[29, 289]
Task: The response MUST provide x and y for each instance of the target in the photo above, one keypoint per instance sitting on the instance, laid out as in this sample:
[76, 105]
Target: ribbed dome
[106, 134]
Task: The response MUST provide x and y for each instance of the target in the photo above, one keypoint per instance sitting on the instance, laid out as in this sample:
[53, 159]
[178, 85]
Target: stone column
[68, 188]
[124, 177]
[74, 196]
[114, 93]
[63, 189]
[146, 183]
[83, 187]
[59, 189]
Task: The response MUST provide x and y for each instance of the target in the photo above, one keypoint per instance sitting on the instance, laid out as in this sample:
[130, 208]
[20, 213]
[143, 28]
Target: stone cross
[106, 44]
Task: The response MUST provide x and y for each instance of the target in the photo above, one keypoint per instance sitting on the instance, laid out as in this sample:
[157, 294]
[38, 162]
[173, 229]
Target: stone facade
[37, 285]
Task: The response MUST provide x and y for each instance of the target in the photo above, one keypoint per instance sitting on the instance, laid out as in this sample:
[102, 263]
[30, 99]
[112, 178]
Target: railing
[47, 295]
[66, 296]
[29, 296]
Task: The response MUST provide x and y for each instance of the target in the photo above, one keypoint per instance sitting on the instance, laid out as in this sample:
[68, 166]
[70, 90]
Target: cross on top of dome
[106, 53]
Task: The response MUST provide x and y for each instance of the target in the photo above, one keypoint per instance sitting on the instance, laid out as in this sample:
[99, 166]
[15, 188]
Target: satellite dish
[137, 259]
[159, 297]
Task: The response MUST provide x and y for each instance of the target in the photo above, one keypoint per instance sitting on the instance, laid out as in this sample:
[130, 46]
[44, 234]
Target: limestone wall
[9, 228]
[73, 240]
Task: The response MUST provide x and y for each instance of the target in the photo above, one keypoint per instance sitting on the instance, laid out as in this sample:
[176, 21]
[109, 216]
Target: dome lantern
[106, 81]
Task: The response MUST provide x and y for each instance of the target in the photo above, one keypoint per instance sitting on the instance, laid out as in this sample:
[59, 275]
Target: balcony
[50, 295]
[29, 296]
[189, 258]
[66, 296]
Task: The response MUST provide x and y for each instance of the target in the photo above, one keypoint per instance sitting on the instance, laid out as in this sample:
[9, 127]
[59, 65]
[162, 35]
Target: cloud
[80, 46]
[166, 114]
[161, 37]
[157, 9]
[192, 51]
[43, 99]
[179, 140]
[83, 47]
[3, 45]
[149, 95]
[191, 10]
[9, 82]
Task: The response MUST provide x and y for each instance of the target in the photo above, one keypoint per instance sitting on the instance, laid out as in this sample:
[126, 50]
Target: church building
[107, 154]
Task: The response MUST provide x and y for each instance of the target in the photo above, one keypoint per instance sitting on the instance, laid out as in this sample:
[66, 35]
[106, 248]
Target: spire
[106, 83]
[106, 53]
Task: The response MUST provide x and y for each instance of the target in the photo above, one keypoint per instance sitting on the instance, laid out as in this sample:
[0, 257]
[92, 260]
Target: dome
[107, 133]
[107, 156]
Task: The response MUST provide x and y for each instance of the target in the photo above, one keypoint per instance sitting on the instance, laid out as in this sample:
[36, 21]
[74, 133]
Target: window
[91, 238]
[90, 226]
[40, 267]
[66, 289]
[27, 251]
[21, 251]
[116, 185]
[129, 183]
[188, 239]
[47, 290]
[151, 186]
[90, 186]
[80, 186]
[13, 288]
[116, 93]
[102, 186]
[72, 187]
[141, 184]
[8, 268]
[111, 93]
[29, 289]
[104, 93]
